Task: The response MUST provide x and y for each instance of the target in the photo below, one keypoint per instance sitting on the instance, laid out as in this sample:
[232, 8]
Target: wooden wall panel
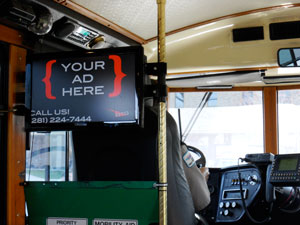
[16, 37]
[270, 120]
[9, 35]
[15, 142]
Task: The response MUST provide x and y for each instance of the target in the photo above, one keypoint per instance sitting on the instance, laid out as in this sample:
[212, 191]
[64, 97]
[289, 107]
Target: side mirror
[289, 57]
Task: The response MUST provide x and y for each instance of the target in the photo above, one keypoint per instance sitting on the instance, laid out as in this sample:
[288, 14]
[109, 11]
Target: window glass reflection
[229, 126]
[288, 121]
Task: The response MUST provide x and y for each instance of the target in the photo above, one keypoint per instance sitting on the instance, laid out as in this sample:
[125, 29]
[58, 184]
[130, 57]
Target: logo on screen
[118, 113]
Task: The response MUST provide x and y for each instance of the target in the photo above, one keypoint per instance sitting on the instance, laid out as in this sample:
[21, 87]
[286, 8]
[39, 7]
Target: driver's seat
[181, 210]
[187, 188]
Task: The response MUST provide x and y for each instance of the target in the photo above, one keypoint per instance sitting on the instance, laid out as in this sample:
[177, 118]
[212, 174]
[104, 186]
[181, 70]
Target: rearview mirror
[289, 57]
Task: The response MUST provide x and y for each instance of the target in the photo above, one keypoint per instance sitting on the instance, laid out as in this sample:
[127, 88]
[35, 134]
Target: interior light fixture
[282, 75]
[98, 42]
[195, 35]
[205, 25]
[198, 34]
[214, 87]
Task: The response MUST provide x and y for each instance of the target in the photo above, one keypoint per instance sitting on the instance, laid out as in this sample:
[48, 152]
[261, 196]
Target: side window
[288, 121]
[179, 99]
[223, 125]
[50, 157]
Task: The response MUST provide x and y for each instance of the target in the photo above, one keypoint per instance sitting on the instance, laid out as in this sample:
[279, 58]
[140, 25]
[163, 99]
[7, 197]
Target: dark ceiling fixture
[29, 15]
[43, 21]
[77, 34]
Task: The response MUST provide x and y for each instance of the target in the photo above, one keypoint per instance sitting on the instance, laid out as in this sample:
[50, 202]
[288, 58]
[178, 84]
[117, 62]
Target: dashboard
[265, 191]
[230, 207]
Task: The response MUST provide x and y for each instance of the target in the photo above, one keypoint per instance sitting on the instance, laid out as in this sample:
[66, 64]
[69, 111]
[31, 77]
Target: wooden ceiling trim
[288, 87]
[99, 19]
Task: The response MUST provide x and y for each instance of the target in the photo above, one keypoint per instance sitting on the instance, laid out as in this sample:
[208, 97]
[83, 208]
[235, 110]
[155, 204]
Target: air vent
[19, 12]
[248, 34]
[22, 11]
[286, 30]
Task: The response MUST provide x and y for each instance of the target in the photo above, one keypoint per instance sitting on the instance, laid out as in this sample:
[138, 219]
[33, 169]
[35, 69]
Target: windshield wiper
[195, 116]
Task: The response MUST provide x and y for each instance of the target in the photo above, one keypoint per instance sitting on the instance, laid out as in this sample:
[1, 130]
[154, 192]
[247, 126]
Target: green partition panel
[93, 201]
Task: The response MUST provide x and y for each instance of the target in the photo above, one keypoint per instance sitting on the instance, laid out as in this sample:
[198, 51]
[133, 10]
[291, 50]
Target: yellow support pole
[162, 145]
[161, 25]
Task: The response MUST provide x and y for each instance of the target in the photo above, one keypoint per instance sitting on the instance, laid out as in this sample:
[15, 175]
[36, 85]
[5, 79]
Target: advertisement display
[72, 89]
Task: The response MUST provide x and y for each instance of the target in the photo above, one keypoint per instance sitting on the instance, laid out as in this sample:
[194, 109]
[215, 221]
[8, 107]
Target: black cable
[296, 196]
[243, 199]
[288, 201]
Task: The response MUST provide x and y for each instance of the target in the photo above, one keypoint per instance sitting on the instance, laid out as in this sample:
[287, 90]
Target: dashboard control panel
[286, 170]
[230, 202]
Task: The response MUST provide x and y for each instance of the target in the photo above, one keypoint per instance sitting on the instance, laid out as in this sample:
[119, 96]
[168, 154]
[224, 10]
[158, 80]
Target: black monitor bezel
[278, 158]
[138, 51]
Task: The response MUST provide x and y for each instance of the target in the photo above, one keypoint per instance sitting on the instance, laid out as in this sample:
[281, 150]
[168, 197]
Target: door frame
[4, 51]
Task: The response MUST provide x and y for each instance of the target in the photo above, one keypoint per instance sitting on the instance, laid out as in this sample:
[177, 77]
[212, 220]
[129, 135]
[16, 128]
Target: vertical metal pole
[47, 175]
[67, 156]
[162, 145]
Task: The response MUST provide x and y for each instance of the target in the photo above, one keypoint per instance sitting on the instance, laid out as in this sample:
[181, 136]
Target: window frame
[3, 128]
[270, 110]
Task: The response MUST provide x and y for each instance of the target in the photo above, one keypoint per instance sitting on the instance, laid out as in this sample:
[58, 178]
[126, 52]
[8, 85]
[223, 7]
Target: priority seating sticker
[114, 222]
[67, 221]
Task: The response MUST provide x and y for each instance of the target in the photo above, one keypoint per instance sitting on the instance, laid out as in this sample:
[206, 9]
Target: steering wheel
[201, 161]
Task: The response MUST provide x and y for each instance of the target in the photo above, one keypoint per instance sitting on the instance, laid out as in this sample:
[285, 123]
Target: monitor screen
[71, 89]
[288, 164]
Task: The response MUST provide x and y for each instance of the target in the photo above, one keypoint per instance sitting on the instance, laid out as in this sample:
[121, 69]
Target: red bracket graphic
[119, 75]
[46, 80]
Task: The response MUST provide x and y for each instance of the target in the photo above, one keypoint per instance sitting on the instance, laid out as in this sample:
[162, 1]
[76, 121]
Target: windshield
[225, 126]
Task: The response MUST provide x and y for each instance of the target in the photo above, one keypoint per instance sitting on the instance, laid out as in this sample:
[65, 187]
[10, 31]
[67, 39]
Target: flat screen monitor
[78, 89]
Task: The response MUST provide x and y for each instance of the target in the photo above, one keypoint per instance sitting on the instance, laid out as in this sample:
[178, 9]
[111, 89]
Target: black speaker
[285, 30]
[248, 34]
[63, 28]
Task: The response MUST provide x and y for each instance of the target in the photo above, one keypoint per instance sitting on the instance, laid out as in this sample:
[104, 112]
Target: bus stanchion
[162, 142]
